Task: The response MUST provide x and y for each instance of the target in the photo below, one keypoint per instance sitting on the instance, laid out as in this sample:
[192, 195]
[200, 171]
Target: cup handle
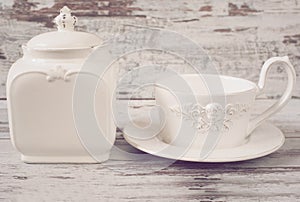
[279, 104]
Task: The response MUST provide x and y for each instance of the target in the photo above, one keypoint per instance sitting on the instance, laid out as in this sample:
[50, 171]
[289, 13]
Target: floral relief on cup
[213, 116]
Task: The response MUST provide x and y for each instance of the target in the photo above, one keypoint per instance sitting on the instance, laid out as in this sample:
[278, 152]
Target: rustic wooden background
[239, 36]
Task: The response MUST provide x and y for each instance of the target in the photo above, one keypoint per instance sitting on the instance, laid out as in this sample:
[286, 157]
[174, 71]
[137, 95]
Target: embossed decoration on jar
[40, 96]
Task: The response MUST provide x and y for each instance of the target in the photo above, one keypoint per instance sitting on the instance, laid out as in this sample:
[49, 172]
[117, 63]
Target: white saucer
[264, 140]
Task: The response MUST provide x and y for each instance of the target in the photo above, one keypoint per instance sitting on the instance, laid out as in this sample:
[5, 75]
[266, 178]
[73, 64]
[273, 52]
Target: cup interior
[207, 84]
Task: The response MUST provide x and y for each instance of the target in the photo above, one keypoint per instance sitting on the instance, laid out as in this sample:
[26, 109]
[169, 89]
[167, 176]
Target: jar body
[41, 112]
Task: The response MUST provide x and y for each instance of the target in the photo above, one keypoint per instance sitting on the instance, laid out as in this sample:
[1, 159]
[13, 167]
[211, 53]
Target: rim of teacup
[250, 86]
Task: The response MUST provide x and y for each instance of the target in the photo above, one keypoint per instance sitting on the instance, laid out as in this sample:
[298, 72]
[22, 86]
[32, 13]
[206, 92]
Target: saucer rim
[187, 158]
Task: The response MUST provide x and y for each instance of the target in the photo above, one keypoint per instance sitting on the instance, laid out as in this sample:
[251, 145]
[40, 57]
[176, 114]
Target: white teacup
[222, 105]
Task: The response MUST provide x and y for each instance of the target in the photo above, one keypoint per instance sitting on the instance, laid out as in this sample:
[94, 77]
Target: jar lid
[65, 37]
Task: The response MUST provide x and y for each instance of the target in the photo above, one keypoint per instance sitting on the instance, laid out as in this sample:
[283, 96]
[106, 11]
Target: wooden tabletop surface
[238, 36]
[275, 177]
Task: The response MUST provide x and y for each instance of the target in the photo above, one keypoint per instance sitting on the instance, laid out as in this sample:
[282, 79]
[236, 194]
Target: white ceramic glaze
[40, 96]
[223, 105]
[264, 140]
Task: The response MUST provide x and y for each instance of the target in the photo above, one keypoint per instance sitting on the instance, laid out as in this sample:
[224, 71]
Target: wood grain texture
[238, 35]
[272, 178]
[275, 177]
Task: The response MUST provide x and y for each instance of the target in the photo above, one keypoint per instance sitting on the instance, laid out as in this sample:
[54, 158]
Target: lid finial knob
[65, 21]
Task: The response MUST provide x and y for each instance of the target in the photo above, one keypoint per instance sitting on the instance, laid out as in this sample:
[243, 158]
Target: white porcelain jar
[40, 95]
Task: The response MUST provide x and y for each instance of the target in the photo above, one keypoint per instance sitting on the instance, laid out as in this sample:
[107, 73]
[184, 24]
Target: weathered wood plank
[272, 178]
[238, 35]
